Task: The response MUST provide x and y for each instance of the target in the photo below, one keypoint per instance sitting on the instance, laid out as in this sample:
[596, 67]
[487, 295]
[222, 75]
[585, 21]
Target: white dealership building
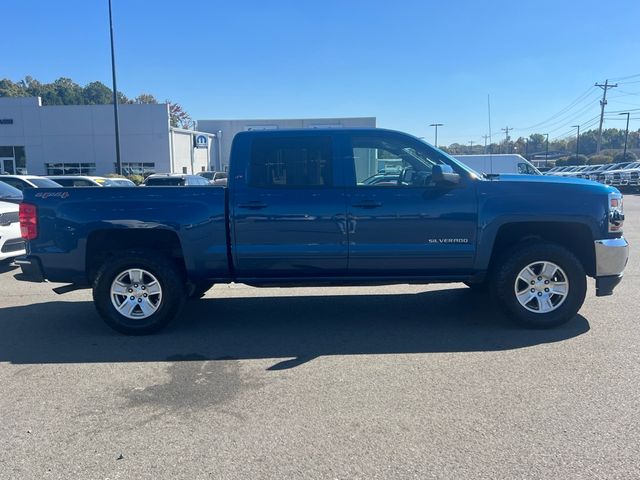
[80, 139]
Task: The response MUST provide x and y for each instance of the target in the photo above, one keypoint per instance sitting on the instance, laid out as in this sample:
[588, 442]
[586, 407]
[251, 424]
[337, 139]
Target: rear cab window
[290, 162]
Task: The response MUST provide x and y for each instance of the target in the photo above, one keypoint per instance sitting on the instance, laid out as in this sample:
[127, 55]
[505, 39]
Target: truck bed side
[79, 226]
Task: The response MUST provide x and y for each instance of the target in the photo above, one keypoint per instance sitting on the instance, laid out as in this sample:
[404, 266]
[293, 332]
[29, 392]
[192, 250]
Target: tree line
[65, 91]
[535, 144]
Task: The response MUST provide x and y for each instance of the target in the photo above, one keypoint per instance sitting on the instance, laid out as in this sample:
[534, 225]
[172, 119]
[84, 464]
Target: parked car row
[22, 182]
[625, 176]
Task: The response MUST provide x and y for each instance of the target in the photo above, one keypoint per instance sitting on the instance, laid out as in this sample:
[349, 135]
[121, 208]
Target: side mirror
[444, 174]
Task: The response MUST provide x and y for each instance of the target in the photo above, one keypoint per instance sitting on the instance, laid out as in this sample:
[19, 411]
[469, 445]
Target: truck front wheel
[138, 293]
[539, 284]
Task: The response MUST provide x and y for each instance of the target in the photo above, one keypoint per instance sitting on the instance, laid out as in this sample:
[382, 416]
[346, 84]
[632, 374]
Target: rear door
[407, 226]
[288, 214]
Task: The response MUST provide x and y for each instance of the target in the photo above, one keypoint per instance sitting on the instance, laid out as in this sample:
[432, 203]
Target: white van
[503, 163]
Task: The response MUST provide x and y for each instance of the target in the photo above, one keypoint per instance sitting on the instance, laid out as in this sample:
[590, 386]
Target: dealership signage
[200, 141]
[6, 121]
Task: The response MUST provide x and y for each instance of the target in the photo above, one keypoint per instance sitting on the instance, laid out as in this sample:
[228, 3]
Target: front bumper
[31, 269]
[611, 259]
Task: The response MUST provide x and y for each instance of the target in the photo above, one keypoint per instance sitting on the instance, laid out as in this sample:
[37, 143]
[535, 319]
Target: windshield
[7, 192]
[165, 182]
[44, 182]
[121, 182]
[442, 157]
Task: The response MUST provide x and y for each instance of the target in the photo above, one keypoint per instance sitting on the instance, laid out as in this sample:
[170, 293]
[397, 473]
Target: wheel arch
[103, 244]
[575, 236]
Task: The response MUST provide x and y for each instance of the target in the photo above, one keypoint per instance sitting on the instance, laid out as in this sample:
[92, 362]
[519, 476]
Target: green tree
[612, 138]
[145, 98]
[599, 159]
[97, 93]
[621, 157]
[67, 92]
[11, 89]
[588, 142]
[537, 142]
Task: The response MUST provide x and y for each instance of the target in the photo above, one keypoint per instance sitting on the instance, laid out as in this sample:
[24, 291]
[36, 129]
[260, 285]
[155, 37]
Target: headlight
[616, 213]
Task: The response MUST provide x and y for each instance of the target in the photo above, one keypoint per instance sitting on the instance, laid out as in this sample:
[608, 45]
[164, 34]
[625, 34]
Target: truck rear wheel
[539, 284]
[138, 293]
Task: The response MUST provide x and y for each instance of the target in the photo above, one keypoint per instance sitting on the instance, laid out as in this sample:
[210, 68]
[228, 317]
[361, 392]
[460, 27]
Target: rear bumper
[611, 259]
[11, 243]
[31, 269]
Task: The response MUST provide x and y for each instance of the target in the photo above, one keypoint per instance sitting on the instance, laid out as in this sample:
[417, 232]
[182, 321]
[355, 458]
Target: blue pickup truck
[329, 207]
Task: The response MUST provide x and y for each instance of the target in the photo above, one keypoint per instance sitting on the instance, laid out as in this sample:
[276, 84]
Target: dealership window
[291, 162]
[71, 168]
[13, 160]
[137, 168]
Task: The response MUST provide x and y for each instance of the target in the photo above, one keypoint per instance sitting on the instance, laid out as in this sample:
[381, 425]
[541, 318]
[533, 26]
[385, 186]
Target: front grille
[14, 245]
[9, 218]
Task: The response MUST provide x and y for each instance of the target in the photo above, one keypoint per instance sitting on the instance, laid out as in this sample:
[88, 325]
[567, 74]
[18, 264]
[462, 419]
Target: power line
[624, 78]
[575, 102]
[584, 126]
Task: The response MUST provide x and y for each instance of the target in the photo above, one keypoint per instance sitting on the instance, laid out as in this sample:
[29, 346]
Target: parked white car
[615, 177]
[28, 181]
[11, 243]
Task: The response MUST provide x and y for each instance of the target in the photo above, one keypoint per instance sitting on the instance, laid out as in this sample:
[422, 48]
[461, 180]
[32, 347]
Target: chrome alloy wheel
[136, 293]
[541, 287]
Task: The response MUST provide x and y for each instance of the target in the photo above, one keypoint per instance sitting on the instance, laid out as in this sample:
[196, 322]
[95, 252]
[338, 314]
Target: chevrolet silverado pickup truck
[297, 211]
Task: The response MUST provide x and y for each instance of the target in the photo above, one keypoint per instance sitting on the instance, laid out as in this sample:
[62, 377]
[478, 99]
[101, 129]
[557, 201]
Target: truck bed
[195, 216]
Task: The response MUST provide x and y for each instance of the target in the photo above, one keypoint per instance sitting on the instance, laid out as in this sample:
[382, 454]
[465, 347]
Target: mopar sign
[200, 141]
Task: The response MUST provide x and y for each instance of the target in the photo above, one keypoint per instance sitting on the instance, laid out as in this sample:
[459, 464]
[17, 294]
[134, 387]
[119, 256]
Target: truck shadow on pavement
[292, 329]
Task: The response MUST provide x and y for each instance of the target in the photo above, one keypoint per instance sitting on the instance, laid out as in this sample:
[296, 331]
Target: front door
[8, 165]
[289, 217]
[400, 222]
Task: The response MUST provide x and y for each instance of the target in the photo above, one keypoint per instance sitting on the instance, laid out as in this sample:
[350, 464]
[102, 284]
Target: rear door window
[291, 162]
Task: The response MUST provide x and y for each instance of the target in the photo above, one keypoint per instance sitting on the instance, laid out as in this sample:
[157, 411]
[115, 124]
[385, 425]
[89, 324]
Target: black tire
[507, 269]
[169, 277]
[200, 289]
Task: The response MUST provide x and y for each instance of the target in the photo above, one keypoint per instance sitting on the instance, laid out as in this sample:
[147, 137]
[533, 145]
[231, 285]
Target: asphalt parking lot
[339, 383]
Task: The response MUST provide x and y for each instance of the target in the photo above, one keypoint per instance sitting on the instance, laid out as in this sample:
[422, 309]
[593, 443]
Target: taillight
[616, 213]
[28, 221]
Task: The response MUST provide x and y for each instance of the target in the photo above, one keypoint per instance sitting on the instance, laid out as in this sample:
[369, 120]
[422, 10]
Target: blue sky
[409, 63]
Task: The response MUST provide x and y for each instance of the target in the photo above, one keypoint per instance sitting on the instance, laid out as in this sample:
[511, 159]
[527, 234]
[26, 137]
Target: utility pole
[577, 141]
[546, 155]
[526, 148]
[115, 96]
[604, 86]
[485, 142]
[436, 125]
[626, 136]
[506, 139]
[471, 146]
